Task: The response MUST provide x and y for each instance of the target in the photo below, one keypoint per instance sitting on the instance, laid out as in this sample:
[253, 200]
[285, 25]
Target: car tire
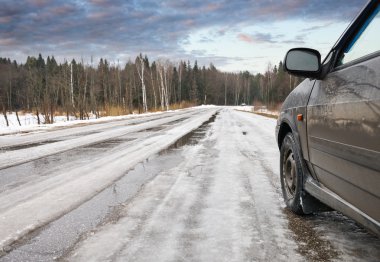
[291, 174]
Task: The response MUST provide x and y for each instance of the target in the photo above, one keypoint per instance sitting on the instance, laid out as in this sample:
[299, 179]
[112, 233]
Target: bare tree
[153, 87]
[162, 71]
[140, 71]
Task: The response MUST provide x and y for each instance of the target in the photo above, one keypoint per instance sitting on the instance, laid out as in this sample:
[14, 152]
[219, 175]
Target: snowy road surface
[194, 185]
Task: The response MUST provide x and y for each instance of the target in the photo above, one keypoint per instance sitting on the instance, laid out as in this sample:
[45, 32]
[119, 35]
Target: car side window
[366, 40]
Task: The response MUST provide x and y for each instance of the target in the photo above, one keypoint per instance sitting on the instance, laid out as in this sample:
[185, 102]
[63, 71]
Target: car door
[343, 121]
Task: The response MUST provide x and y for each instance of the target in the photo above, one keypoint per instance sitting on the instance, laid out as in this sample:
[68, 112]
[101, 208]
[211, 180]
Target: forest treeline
[46, 87]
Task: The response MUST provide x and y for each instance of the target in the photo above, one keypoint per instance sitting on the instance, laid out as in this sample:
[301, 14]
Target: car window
[366, 41]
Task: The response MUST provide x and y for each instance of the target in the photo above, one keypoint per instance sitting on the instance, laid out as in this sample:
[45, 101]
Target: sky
[234, 35]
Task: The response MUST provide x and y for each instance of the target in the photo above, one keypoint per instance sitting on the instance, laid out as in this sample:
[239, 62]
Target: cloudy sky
[234, 35]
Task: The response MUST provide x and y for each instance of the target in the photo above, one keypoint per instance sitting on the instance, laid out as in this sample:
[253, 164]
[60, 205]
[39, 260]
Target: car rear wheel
[291, 174]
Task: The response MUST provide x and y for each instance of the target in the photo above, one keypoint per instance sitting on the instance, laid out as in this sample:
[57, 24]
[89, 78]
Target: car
[328, 130]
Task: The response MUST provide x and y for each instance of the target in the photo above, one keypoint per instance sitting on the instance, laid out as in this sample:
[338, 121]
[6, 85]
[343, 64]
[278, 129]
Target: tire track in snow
[12, 158]
[88, 127]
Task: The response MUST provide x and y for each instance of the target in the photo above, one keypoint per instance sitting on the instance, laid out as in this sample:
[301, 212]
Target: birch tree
[162, 70]
[140, 71]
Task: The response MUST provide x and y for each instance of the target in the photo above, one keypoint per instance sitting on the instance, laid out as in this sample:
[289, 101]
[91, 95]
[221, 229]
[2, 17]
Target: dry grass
[183, 104]
[275, 107]
[266, 115]
[114, 111]
[267, 111]
[271, 107]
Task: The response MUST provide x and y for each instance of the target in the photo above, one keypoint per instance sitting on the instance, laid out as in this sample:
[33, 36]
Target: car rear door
[343, 121]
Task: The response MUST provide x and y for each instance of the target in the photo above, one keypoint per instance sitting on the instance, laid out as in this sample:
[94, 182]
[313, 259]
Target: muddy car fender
[293, 116]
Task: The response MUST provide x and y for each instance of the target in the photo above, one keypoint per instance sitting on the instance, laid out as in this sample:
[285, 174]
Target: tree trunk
[5, 115]
[51, 113]
[141, 75]
[180, 82]
[225, 90]
[18, 119]
[71, 85]
[38, 117]
[154, 90]
[166, 90]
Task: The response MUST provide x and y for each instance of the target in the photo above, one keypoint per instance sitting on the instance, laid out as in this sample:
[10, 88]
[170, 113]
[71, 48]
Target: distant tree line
[46, 87]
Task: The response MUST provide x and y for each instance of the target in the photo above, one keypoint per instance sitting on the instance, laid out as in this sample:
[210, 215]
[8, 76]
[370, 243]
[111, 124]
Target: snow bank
[244, 108]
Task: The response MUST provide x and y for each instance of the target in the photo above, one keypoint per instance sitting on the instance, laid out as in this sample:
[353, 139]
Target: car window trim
[357, 61]
[362, 29]
[351, 32]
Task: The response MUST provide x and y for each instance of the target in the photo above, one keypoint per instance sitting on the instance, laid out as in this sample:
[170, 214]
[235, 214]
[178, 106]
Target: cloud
[5, 19]
[212, 7]
[102, 3]
[38, 3]
[62, 10]
[115, 28]
[7, 41]
[259, 38]
[206, 39]
[199, 53]
[317, 27]
[299, 40]
[245, 38]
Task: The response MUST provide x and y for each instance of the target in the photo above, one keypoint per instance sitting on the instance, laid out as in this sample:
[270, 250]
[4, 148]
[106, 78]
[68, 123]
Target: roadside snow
[243, 108]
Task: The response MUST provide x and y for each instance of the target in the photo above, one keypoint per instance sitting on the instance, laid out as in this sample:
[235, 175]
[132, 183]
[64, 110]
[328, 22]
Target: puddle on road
[25, 146]
[177, 121]
[19, 175]
[78, 135]
[57, 238]
[194, 136]
[110, 143]
[161, 127]
[18, 147]
[153, 129]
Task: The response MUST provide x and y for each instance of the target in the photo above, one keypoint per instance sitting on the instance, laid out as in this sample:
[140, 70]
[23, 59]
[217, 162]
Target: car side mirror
[303, 62]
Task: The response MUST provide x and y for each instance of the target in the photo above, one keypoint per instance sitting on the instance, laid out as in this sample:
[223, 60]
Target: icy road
[200, 184]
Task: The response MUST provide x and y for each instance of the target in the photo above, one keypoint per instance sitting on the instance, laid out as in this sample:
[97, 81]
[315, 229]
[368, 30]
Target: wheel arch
[283, 130]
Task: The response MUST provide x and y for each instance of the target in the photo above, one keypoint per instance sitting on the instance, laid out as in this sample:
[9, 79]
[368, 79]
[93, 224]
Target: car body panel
[344, 134]
[293, 105]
